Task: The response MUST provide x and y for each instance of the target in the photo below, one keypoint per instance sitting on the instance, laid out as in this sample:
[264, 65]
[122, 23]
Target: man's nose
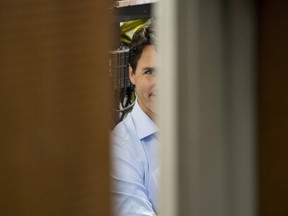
[155, 89]
[155, 83]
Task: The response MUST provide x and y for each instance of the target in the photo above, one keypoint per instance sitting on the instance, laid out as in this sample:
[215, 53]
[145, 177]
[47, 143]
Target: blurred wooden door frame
[54, 153]
[273, 107]
[255, 107]
[207, 85]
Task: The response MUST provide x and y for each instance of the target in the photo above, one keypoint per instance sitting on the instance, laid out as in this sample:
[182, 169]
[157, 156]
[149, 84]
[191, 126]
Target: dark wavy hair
[142, 37]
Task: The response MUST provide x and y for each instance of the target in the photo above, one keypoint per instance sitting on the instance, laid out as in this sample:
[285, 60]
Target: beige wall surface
[54, 154]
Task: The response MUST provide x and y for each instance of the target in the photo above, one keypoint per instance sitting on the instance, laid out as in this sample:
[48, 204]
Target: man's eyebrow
[148, 68]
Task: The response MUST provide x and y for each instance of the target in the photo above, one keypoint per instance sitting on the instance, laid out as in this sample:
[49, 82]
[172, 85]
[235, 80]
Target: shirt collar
[143, 123]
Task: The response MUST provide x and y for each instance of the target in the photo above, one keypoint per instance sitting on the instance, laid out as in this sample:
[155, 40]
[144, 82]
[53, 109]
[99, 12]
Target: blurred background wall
[54, 155]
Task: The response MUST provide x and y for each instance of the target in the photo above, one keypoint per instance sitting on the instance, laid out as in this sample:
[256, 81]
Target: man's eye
[149, 72]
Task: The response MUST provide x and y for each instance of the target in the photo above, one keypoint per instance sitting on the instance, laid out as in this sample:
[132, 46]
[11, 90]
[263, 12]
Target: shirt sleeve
[129, 193]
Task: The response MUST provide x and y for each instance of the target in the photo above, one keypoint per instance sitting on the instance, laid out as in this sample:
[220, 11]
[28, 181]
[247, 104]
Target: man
[134, 141]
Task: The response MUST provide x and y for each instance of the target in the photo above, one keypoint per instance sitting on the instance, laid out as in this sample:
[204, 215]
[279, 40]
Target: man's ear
[131, 75]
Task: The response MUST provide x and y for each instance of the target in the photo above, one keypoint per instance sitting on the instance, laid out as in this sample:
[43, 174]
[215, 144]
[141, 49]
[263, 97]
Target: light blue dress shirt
[135, 165]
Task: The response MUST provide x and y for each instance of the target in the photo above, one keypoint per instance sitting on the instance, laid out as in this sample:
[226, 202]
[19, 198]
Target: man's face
[144, 79]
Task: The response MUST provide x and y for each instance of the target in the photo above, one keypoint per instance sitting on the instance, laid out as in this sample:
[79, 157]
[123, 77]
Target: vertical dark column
[273, 107]
[54, 143]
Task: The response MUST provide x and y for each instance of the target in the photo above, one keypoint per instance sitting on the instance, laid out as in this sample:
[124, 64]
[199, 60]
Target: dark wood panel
[273, 107]
[54, 150]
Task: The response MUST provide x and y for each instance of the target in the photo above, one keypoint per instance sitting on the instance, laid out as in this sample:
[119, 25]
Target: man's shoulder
[125, 140]
[125, 129]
